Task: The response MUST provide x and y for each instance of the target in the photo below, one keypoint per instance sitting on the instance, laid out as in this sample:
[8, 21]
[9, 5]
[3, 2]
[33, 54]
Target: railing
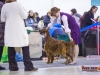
[90, 26]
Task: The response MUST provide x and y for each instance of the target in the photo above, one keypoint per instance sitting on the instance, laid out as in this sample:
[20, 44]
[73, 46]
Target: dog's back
[55, 46]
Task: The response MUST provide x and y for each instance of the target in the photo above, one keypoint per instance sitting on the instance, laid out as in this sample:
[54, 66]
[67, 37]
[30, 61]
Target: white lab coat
[15, 33]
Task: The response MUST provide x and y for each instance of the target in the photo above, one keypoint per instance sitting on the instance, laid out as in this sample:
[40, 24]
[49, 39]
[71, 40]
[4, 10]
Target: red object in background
[96, 20]
[95, 28]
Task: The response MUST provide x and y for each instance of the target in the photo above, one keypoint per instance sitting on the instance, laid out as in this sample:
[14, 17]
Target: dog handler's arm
[52, 23]
[67, 30]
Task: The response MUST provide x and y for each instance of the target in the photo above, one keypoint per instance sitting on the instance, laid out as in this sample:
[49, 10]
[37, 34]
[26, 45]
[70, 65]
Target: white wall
[80, 5]
[42, 6]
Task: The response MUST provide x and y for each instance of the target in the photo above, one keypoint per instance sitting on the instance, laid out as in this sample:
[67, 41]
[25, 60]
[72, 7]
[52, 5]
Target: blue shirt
[30, 22]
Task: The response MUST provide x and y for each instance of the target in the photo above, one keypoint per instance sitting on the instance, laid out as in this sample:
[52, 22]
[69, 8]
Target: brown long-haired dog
[54, 47]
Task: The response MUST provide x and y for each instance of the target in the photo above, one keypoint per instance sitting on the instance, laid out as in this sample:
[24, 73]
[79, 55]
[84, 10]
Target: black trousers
[1, 50]
[26, 57]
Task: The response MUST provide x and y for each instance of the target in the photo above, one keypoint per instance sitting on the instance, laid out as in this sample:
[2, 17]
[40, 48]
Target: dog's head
[45, 32]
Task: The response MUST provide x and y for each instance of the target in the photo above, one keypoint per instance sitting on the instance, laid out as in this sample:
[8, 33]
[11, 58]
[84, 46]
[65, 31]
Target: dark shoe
[13, 68]
[34, 69]
[2, 68]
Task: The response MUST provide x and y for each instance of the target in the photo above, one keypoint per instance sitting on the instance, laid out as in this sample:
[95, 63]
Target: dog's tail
[71, 44]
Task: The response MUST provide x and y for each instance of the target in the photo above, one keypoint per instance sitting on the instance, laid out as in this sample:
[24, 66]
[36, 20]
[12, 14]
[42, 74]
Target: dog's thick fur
[54, 47]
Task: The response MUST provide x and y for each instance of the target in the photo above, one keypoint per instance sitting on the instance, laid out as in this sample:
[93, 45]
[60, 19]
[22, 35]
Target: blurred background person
[30, 20]
[89, 16]
[82, 20]
[41, 23]
[74, 12]
[36, 20]
[76, 16]
[2, 27]
[47, 19]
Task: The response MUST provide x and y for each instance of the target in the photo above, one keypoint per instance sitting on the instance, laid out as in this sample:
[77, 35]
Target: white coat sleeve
[22, 12]
[3, 15]
[65, 22]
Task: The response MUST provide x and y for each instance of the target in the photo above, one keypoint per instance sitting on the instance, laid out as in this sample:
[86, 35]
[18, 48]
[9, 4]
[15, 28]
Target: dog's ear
[40, 31]
[45, 35]
[46, 29]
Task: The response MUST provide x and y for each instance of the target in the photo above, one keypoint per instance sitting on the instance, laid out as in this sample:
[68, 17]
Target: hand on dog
[47, 28]
[71, 39]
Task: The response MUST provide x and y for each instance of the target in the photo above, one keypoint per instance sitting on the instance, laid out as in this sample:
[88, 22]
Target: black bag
[89, 43]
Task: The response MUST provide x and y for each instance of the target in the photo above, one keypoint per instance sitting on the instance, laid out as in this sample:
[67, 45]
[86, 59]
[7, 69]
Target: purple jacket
[71, 22]
[75, 30]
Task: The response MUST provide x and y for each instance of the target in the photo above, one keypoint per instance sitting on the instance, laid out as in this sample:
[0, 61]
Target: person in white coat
[13, 14]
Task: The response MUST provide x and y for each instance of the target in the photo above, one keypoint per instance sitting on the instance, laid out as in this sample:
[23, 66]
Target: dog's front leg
[48, 59]
[52, 59]
[66, 60]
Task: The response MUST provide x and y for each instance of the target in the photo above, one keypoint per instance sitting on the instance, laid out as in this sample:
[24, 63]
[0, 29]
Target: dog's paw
[48, 63]
[51, 62]
[66, 63]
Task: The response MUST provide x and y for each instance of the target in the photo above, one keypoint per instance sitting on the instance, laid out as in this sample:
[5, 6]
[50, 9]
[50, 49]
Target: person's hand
[71, 39]
[35, 24]
[47, 28]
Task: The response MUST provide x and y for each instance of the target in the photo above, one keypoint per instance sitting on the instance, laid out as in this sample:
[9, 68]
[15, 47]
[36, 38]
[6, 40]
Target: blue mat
[63, 37]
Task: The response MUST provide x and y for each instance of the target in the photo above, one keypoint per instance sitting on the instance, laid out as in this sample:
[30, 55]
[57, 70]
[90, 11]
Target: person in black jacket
[86, 38]
[36, 17]
[36, 20]
[90, 15]
[46, 19]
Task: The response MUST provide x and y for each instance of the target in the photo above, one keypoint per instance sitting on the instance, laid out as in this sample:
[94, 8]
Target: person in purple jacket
[71, 28]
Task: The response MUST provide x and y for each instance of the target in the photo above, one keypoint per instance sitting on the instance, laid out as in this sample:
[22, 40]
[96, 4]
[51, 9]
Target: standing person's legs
[1, 50]
[76, 52]
[77, 40]
[27, 61]
[12, 62]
